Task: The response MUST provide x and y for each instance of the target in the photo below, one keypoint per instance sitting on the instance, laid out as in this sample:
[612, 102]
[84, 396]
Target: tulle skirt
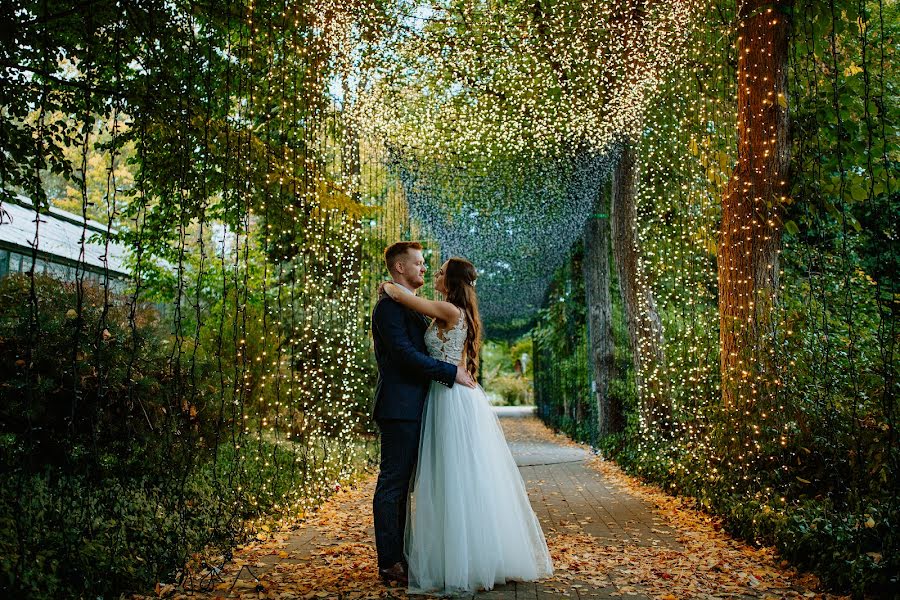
[470, 525]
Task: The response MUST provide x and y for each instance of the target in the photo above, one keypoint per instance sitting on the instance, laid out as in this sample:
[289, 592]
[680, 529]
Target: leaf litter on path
[332, 553]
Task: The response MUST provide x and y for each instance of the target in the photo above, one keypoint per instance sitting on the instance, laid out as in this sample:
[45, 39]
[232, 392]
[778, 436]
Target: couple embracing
[451, 511]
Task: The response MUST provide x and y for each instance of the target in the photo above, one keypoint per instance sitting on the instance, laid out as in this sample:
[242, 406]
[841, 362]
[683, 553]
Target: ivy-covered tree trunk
[645, 331]
[750, 234]
[599, 316]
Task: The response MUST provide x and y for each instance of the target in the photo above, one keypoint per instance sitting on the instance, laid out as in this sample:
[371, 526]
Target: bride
[469, 524]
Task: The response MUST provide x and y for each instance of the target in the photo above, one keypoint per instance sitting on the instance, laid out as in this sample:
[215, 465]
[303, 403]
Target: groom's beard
[412, 286]
[407, 286]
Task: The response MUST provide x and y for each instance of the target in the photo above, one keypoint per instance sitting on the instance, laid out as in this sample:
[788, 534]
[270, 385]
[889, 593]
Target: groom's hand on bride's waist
[463, 377]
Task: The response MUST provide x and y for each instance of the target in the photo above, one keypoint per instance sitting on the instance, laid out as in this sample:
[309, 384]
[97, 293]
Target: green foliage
[860, 545]
[515, 390]
[134, 436]
[561, 371]
[88, 520]
[503, 372]
[814, 470]
[62, 386]
[118, 465]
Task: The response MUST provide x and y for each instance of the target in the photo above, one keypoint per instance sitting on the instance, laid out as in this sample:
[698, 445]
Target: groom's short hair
[393, 252]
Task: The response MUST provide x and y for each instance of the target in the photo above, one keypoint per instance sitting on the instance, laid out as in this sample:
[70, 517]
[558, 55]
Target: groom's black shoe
[395, 572]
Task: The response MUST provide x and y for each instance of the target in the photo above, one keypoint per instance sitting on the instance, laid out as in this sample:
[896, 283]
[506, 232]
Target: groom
[405, 372]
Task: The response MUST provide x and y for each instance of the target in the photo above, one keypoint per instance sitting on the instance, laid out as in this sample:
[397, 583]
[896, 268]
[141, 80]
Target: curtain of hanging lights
[231, 382]
[263, 198]
[820, 389]
[503, 124]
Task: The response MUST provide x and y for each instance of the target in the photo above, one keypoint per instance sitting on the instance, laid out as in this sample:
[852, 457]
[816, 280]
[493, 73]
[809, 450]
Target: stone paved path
[567, 496]
[610, 536]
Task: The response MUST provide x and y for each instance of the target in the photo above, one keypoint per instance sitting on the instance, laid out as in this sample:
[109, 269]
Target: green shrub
[118, 464]
[514, 389]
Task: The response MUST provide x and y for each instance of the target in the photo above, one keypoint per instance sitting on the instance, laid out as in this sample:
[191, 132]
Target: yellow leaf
[852, 70]
[782, 100]
[723, 160]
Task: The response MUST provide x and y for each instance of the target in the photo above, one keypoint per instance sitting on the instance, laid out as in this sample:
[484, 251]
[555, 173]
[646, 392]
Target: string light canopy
[503, 120]
[516, 227]
[277, 147]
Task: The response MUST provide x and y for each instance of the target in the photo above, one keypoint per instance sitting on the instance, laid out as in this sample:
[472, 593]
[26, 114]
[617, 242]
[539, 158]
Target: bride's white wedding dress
[470, 525]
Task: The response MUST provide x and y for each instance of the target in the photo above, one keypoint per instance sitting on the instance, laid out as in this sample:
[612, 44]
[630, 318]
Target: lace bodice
[447, 345]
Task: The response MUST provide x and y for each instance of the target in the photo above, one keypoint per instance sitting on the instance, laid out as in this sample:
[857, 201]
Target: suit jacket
[405, 370]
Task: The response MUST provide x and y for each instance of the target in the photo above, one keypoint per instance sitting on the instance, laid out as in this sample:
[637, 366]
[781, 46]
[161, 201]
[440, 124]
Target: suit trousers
[399, 451]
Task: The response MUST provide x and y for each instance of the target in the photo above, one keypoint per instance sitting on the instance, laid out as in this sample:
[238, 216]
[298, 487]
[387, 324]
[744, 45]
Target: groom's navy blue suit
[404, 373]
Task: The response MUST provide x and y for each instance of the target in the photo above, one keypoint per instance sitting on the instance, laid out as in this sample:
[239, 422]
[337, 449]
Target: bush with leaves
[117, 463]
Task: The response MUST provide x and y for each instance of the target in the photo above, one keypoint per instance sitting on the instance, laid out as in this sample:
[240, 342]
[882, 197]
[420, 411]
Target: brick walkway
[610, 537]
[567, 496]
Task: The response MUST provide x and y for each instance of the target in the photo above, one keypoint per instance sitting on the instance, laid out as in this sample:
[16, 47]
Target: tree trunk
[644, 326]
[537, 375]
[750, 234]
[599, 316]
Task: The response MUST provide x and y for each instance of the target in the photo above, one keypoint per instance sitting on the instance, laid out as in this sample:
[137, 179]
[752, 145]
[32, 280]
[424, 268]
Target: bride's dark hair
[459, 280]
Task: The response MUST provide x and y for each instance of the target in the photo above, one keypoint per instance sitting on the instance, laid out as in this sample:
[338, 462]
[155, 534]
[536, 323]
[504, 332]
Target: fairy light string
[304, 137]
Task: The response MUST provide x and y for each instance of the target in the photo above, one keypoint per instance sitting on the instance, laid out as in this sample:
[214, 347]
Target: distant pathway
[610, 537]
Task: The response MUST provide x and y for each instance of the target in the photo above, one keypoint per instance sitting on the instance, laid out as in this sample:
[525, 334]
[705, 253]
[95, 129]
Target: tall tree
[599, 315]
[645, 331]
[751, 231]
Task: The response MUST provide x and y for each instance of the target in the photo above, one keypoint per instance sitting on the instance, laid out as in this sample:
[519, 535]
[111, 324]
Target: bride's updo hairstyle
[459, 280]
